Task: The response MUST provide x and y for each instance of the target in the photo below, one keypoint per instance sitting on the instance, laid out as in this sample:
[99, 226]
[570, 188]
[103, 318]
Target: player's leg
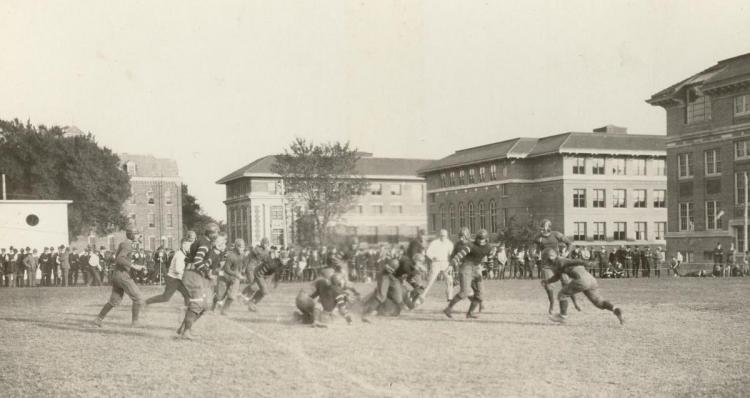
[476, 298]
[306, 307]
[115, 298]
[131, 289]
[448, 278]
[599, 302]
[230, 295]
[435, 270]
[379, 295]
[546, 274]
[222, 287]
[195, 285]
[564, 280]
[262, 286]
[563, 296]
[171, 286]
[465, 276]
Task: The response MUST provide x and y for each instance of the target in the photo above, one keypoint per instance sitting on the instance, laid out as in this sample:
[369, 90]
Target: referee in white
[439, 253]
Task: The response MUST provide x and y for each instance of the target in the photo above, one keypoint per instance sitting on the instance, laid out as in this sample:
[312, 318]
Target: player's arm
[201, 261]
[569, 245]
[458, 257]
[231, 268]
[341, 301]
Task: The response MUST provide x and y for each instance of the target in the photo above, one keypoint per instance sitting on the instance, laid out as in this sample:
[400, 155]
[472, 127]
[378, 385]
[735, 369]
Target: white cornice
[571, 178]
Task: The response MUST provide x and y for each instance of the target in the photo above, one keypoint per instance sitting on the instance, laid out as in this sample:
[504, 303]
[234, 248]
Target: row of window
[482, 216]
[380, 209]
[377, 189]
[712, 213]
[711, 162]
[619, 231]
[698, 107]
[151, 220]
[150, 197]
[619, 198]
[618, 166]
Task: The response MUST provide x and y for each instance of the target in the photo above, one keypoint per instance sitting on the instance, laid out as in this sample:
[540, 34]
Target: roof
[150, 166]
[514, 148]
[727, 72]
[571, 142]
[366, 166]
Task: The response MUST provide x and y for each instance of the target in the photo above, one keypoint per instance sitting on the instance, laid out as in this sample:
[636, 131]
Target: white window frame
[579, 165]
[660, 167]
[640, 166]
[619, 167]
[742, 105]
[638, 202]
[579, 198]
[600, 234]
[398, 191]
[641, 235]
[617, 233]
[745, 146]
[712, 167]
[660, 229]
[598, 166]
[739, 188]
[660, 198]
[686, 164]
[713, 223]
[622, 203]
[599, 202]
[577, 231]
[686, 216]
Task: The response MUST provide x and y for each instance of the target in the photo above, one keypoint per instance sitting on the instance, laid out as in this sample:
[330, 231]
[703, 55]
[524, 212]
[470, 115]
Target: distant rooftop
[367, 166]
[608, 139]
[731, 72]
[72, 131]
[150, 166]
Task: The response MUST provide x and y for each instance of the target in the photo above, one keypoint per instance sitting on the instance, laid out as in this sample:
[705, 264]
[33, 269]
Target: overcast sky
[217, 86]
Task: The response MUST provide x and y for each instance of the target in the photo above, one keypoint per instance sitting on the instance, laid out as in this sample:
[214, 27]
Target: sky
[216, 85]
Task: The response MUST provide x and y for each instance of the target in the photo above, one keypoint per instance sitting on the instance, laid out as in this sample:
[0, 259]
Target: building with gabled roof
[708, 158]
[604, 187]
[392, 210]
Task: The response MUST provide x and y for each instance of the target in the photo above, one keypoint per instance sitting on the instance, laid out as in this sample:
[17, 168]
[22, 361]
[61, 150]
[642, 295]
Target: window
[639, 198]
[597, 166]
[600, 231]
[739, 183]
[493, 172]
[482, 174]
[453, 178]
[618, 198]
[277, 237]
[452, 215]
[661, 167]
[504, 190]
[640, 167]
[397, 209]
[618, 166]
[579, 198]
[462, 177]
[739, 233]
[151, 220]
[493, 216]
[640, 231]
[660, 198]
[620, 232]
[742, 105]
[461, 216]
[505, 171]
[150, 197]
[472, 176]
[272, 187]
[579, 229]
[132, 195]
[713, 222]
[685, 165]
[396, 189]
[712, 162]
[579, 166]
[443, 218]
[168, 197]
[660, 230]
[472, 221]
[376, 189]
[686, 216]
[599, 198]
[443, 180]
[131, 168]
[170, 223]
[377, 209]
[698, 108]
[277, 213]
[482, 216]
[742, 149]
[151, 243]
[433, 224]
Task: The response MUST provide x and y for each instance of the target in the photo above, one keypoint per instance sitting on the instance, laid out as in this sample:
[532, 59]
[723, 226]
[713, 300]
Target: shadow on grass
[87, 326]
[460, 318]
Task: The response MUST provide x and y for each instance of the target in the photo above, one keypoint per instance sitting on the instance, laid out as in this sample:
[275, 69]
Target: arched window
[493, 216]
[472, 221]
[452, 213]
[443, 218]
[482, 216]
[461, 215]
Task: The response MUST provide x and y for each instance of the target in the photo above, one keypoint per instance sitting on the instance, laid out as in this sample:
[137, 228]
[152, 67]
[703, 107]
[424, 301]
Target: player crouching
[390, 286]
[331, 293]
[581, 282]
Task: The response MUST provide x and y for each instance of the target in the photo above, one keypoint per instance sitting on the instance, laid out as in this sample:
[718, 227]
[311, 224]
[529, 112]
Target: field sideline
[683, 337]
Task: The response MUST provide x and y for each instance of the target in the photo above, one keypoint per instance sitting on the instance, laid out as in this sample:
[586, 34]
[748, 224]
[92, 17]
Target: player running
[122, 283]
[389, 284]
[581, 282]
[258, 287]
[330, 293]
[174, 277]
[470, 256]
[229, 281]
[549, 239]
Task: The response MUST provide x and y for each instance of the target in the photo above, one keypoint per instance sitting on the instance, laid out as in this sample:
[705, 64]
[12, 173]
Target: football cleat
[558, 318]
[618, 314]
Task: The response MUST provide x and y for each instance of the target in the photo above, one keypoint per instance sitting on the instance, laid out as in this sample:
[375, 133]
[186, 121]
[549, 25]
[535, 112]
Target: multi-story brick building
[392, 210]
[708, 144]
[602, 187]
[154, 207]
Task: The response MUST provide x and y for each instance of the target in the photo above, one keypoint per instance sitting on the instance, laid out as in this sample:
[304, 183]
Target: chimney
[612, 129]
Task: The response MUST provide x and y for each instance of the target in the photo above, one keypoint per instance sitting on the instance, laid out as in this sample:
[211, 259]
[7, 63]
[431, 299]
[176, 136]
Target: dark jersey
[551, 240]
[122, 257]
[415, 247]
[268, 268]
[198, 258]
[471, 253]
[575, 269]
[330, 296]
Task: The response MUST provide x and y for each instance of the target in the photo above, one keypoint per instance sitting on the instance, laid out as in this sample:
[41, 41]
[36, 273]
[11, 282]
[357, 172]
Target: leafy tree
[322, 179]
[41, 163]
[517, 233]
[193, 216]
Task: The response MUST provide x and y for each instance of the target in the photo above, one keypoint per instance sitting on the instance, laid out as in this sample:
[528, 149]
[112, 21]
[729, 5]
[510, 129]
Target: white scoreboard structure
[34, 223]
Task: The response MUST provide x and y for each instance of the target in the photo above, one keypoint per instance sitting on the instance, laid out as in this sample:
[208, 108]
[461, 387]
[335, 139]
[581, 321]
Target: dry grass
[685, 337]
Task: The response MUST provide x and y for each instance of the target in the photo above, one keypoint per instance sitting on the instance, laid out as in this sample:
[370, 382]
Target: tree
[322, 179]
[193, 216]
[41, 163]
[516, 233]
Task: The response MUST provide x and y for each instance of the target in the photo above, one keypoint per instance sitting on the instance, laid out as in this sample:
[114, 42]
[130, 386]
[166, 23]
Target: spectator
[74, 259]
[729, 260]
[718, 260]
[45, 262]
[55, 265]
[31, 262]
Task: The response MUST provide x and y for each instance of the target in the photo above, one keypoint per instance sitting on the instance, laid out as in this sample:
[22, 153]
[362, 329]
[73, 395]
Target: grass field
[683, 337]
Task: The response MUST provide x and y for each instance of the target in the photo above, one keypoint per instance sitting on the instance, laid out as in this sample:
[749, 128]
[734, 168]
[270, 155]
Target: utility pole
[4, 197]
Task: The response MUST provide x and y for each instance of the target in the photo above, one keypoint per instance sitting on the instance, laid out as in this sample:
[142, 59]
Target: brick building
[605, 187]
[708, 139]
[154, 207]
[392, 210]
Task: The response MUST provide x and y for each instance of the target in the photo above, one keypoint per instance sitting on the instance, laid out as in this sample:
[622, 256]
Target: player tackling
[581, 282]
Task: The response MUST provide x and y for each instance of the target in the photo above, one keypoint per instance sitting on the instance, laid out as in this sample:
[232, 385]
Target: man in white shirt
[439, 252]
[174, 277]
